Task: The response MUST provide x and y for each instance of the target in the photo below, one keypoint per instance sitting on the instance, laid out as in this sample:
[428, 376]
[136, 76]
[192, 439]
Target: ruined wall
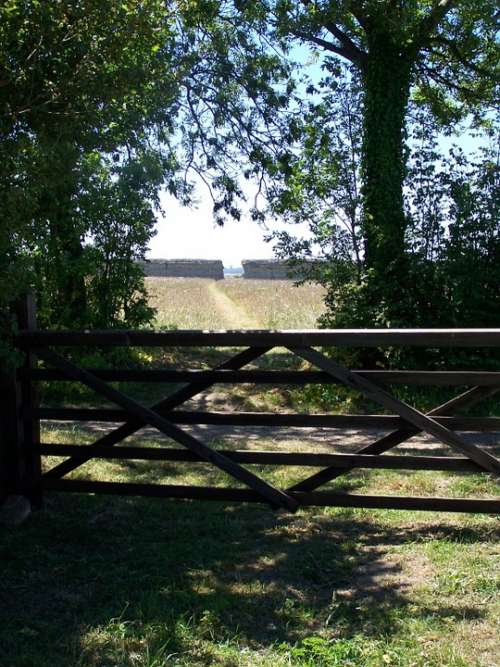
[274, 269]
[184, 268]
[267, 269]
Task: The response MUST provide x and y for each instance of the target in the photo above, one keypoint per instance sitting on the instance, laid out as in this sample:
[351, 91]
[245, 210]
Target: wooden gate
[443, 422]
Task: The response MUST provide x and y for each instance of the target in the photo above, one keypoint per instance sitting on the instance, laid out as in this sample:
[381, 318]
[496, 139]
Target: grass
[278, 304]
[93, 581]
[96, 581]
[184, 303]
[190, 303]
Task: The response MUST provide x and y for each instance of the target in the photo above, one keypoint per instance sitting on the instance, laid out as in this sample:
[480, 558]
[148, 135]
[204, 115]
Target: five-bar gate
[47, 358]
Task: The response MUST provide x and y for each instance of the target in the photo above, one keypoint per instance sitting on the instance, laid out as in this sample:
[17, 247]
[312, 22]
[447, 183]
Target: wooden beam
[254, 457]
[163, 407]
[410, 414]
[317, 499]
[32, 470]
[259, 338]
[278, 420]
[434, 378]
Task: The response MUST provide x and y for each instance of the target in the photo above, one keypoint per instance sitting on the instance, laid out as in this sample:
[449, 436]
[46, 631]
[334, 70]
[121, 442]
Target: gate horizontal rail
[435, 378]
[480, 424]
[443, 422]
[265, 338]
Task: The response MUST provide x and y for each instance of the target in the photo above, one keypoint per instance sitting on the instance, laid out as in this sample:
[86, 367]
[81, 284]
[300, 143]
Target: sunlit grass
[184, 303]
[188, 303]
[95, 581]
[119, 581]
[278, 304]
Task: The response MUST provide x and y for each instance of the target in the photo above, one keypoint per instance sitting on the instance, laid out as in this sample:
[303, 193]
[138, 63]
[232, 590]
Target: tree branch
[357, 54]
[356, 10]
[459, 55]
[328, 46]
[347, 49]
[431, 21]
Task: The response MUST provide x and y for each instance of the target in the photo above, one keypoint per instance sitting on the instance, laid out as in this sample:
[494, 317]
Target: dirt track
[233, 315]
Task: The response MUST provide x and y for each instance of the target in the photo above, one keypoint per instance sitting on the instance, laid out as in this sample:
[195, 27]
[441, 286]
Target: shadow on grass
[87, 566]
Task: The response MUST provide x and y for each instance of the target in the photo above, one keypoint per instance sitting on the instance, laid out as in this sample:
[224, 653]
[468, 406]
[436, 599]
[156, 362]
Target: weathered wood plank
[32, 470]
[275, 377]
[259, 338]
[11, 436]
[410, 414]
[319, 498]
[273, 495]
[163, 407]
[480, 424]
[440, 463]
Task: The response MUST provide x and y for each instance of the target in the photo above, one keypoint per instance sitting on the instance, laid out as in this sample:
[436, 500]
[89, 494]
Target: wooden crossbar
[265, 338]
[276, 419]
[163, 407]
[276, 377]
[405, 462]
[412, 415]
[319, 498]
[391, 440]
[274, 496]
[405, 419]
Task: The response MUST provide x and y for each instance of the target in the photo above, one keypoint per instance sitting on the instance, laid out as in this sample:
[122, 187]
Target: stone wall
[274, 269]
[184, 268]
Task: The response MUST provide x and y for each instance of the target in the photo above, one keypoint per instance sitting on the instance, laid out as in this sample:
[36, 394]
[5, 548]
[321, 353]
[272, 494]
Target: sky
[191, 233]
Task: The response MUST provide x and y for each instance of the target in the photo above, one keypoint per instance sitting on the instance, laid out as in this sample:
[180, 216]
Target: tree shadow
[241, 570]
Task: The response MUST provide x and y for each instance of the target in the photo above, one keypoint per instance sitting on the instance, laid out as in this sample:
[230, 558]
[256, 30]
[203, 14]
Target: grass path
[231, 313]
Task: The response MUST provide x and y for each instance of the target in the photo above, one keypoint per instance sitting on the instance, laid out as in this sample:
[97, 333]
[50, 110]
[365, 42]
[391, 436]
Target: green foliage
[442, 55]
[452, 227]
[86, 91]
[102, 105]
[112, 218]
[322, 184]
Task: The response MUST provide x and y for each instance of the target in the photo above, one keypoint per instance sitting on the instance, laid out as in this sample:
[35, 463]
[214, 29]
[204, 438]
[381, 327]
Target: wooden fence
[47, 358]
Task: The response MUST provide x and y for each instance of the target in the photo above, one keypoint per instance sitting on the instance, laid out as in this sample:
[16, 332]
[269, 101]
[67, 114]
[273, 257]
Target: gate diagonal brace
[274, 496]
[163, 407]
[387, 442]
[414, 417]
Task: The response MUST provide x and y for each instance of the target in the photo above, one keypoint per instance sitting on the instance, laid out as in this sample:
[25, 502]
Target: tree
[321, 186]
[444, 52]
[123, 80]
[77, 78]
[112, 218]
[445, 48]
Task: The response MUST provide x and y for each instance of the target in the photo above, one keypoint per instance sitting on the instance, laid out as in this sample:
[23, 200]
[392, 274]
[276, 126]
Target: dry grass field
[197, 303]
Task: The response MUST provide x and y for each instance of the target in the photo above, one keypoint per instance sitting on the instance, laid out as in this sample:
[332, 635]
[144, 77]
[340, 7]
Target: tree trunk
[68, 303]
[386, 79]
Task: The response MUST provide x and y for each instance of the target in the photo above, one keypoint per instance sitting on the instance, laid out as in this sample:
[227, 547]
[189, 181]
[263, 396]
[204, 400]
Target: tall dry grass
[184, 303]
[277, 304]
[191, 303]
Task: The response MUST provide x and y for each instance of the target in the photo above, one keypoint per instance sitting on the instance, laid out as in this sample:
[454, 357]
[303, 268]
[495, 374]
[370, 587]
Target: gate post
[31, 479]
[11, 462]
